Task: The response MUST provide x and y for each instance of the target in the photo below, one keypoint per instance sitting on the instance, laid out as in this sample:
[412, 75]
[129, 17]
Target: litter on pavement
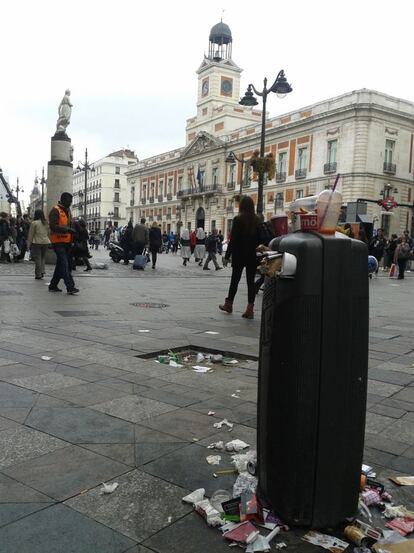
[46, 358]
[200, 369]
[195, 497]
[216, 445]
[213, 459]
[222, 423]
[236, 445]
[109, 488]
[402, 480]
[335, 545]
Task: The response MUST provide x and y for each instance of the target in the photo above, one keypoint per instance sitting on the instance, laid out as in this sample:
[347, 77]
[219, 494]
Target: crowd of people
[396, 250]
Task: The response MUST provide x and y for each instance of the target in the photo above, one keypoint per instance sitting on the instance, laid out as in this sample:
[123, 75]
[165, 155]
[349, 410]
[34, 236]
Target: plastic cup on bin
[279, 224]
[328, 206]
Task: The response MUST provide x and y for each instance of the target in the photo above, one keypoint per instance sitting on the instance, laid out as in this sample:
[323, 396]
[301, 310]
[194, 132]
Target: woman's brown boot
[249, 313]
[227, 306]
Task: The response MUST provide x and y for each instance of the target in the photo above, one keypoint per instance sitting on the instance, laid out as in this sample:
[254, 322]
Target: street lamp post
[232, 158]
[280, 87]
[85, 167]
[16, 198]
[43, 182]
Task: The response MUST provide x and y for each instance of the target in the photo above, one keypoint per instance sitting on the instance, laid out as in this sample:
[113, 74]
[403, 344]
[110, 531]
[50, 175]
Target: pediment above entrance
[202, 142]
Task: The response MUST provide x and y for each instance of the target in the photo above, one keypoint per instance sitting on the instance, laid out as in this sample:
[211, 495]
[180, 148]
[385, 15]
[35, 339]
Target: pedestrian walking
[107, 236]
[80, 251]
[377, 246]
[185, 246]
[61, 231]
[402, 254]
[126, 241]
[411, 244]
[155, 241]
[38, 242]
[390, 251]
[140, 237]
[175, 243]
[220, 243]
[200, 249]
[242, 249]
[211, 248]
[4, 238]
[193, 241]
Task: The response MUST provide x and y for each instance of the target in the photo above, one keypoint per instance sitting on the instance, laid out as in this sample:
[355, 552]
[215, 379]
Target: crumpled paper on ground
[236, 445]
[213, 459]
[194, 497]
[109, 488]
[335, 545]
[245, 482]
[241, 460]
[222, 423]
[393, 511]
[216, 445]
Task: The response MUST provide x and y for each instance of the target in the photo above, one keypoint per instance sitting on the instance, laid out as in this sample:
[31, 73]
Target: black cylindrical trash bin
[313, 381]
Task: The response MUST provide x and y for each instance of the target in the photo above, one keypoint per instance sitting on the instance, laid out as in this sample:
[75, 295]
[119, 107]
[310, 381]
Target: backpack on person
[404, 252]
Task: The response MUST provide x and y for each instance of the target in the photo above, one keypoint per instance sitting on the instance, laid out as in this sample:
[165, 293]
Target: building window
[169, 185]
[331, 154]
[116, 211]
[214, 175]
[389, 151]
[279, 200]
[132, 195]
[299, 194]
[213, 225]
[117, 170]
[117, 185]
[180, 183]
[302, 155]
[116, 197]
[281, 162]
[232, 173]
[152, 189]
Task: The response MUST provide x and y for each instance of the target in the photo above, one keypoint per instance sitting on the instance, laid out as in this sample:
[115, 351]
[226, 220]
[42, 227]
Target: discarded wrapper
[403, 525]
[259, 544]
[368, 530]
[109, 488]
[174, 364]
[242, 460]
[216, 445]
[401, 547]
[232, 506]
[200, 369]
[250, 508]
[402, 480]
[236, 445]
[213, 459]
[222, 423]
[211, 413]
[244, 532]
[245, 482]
[195, 497]
[208, 512]
[218, 498]
[335, 545]
[46, 358]
[393, 511]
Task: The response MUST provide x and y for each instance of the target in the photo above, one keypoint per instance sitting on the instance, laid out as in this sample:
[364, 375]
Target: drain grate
[149, 305]
[78, 313]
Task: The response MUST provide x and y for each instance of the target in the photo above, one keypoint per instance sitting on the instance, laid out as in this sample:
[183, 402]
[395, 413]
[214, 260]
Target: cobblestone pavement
[78, 407]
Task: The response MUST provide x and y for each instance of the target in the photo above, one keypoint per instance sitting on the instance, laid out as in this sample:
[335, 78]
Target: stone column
[60, 169]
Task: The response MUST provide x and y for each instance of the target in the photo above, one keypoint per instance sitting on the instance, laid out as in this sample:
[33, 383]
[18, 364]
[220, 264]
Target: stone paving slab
[21, 443]
[144, 501]
[134, 408]
[66, 472]
[59, 529]
[81, 425]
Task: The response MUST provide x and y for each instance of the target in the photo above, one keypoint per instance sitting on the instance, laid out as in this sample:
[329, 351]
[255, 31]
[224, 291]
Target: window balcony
[159, 217]
[329, 168]
[169, 196]
[199, 190]
[160, 198]
[116, 200]
[151, 200]
[231, 186]
[281, 177]
[168, 216]
[143, 201]
[131, 203]
[300, 173]
[390, 168]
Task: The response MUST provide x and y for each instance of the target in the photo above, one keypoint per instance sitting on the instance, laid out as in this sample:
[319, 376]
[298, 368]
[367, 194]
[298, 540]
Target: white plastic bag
[6, 246]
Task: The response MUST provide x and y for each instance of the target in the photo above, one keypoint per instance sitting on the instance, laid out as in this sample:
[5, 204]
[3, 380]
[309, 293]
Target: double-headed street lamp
[231, 159]
[280, 87]
[85, 167]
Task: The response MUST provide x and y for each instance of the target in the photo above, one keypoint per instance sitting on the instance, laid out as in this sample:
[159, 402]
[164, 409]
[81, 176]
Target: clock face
[204, 87]
[226, 87]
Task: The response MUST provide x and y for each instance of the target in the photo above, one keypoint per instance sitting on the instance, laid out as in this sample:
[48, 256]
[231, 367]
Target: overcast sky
[130, 65]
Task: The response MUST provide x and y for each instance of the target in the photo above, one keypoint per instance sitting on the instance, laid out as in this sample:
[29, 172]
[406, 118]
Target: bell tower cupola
[220, 42]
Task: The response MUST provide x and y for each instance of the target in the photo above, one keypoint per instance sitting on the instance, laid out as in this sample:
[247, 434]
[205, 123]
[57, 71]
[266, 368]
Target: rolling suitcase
[313, 372]
[140, 262]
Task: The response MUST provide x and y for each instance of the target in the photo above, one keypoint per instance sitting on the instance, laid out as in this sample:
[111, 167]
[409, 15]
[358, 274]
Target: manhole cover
[150, 305]
[10, 293]
[78, 313]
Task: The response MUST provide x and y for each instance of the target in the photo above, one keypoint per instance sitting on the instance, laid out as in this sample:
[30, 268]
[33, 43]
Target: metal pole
[42, 182]
[261, 155]
[85, 168]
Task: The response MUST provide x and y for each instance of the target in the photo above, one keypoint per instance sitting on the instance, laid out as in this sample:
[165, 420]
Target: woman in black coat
[242, 249]
[155, 242]
[80, 248]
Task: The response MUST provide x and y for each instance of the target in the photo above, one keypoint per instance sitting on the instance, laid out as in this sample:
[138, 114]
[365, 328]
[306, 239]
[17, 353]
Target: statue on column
[65, 111]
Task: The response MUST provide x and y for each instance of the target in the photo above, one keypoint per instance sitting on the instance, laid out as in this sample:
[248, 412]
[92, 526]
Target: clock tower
[218, 110]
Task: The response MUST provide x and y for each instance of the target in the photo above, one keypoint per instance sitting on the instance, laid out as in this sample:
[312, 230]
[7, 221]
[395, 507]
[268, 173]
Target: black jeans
[154, 252]
[63, 267]
[237, 270]
[402, 263]
[138, 248]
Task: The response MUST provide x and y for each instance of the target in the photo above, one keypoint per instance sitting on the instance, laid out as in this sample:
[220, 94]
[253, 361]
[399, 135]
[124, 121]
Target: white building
[364, 135]
[106, 195]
